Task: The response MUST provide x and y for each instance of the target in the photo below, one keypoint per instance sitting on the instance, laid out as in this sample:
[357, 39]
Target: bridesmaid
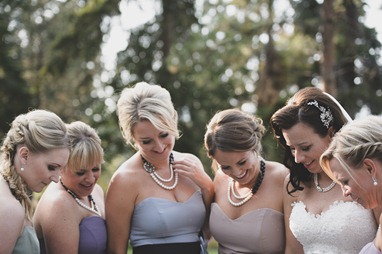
[69, 217]
[34, 150]
[244, 219]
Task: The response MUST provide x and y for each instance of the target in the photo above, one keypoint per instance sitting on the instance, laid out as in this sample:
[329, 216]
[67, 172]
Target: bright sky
[133, 16]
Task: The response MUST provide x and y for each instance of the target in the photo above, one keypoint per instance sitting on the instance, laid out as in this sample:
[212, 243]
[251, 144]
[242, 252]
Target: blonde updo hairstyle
[40, 131]
[232, 130]
[356, 141]
[85, 147]
[146, 102]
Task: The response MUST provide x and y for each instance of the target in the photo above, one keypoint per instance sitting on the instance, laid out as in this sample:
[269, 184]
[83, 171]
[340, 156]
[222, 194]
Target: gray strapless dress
[259, 231]
[370, 249]
[27, 242]
[162, 221]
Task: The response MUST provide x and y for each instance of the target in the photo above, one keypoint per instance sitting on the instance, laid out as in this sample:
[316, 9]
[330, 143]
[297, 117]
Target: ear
[371, 167]
[23, 153]
[331, 132]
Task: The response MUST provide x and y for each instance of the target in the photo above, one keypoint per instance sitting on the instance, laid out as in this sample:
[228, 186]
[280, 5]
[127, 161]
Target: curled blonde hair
[40, 131]
[146, 102]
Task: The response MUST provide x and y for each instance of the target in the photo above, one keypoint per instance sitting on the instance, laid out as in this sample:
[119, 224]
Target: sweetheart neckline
[332, 206]
[246, 214]
[168, 200]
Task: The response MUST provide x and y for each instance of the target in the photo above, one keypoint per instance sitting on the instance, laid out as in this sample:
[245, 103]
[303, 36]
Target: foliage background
[211, 55]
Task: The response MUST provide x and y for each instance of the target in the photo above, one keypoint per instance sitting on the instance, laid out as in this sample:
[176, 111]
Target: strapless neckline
[252, 213]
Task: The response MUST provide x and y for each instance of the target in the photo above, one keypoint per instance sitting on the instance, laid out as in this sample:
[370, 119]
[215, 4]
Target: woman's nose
[298, 156]
[55, 177]
[346, 191]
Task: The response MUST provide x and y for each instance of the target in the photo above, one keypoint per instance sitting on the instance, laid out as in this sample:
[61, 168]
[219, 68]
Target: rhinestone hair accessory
[326, 115]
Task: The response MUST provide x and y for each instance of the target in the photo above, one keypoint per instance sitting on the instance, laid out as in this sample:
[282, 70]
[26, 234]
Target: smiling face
[359, 185]
[152, 143]
[42, 168]
[240, 166]
[306, 145]
[82, 180]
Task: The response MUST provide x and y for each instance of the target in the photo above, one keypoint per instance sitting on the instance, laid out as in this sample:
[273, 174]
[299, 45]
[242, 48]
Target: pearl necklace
[93, 208]
[150, 168]
[328, 188]
[247, 196]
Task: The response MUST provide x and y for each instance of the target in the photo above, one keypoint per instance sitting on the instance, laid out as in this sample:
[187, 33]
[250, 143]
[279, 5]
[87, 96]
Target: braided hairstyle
[355, 142]
[40, 131]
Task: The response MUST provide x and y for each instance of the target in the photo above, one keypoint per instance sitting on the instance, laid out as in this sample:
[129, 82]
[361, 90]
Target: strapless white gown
[344, 228]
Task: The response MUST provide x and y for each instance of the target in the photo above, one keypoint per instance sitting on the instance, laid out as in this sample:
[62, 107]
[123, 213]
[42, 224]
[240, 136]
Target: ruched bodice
[259, 231]
[161, 221]
[344, 228]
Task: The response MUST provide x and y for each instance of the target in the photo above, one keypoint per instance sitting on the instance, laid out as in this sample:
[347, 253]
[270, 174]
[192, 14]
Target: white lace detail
[343, 229]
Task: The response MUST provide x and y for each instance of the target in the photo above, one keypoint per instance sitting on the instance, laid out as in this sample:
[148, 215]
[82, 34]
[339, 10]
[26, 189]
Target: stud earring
[375, 183]
[22, 169]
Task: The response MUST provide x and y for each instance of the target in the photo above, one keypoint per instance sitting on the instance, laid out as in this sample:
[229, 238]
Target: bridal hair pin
[326, 115]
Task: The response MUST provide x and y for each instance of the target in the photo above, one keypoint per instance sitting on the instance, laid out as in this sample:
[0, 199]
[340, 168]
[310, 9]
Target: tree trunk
[328, 62]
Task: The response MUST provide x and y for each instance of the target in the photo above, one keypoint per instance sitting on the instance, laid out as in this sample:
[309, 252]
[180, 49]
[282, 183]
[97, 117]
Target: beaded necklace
[150, 168]
[93, 208]
[328, 188]
[244, 198]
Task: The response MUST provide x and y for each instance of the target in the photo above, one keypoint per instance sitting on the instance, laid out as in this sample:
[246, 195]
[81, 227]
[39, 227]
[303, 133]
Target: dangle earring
[375, 183]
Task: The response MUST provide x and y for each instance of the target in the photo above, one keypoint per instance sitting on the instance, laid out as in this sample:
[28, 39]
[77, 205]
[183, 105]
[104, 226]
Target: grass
[212, 247]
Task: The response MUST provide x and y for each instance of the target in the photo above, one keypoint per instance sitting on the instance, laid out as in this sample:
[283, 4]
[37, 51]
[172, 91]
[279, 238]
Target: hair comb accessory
[326, 115]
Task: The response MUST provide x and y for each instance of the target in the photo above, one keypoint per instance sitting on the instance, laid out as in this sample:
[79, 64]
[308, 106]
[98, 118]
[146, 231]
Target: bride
[318, 218]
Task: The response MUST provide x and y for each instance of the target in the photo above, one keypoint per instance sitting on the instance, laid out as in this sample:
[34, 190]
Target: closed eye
[164, 135]
[241, 163]
[145, 142]
[224, 167]
[53, 167]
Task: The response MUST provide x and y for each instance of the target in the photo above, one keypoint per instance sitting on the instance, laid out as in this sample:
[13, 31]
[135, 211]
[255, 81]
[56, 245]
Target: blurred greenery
[210, 55]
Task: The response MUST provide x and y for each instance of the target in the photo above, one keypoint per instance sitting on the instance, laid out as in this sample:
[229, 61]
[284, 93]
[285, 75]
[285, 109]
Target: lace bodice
[344, 228]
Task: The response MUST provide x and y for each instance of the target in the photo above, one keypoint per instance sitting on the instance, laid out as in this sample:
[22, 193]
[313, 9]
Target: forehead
[228, 158]
[300, 133]
[337, 169]
[55, 156]
[145, 129]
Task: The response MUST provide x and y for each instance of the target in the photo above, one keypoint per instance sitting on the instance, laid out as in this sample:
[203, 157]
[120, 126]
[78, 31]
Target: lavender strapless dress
[93, 236]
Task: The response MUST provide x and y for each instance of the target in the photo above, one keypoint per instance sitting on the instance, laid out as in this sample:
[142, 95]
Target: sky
[133, 16]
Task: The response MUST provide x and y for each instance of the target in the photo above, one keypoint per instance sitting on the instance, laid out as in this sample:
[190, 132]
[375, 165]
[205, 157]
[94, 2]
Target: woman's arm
[119, 207]
[292, 245]
[11, 223]
[59, 220]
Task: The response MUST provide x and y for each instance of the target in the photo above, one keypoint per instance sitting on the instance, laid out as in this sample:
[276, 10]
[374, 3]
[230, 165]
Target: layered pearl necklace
[150, 168]
[93, 208]
[247, 196]
[328, 188]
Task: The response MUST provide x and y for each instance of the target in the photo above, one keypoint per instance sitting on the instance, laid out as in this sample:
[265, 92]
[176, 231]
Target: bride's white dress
[343, 229]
